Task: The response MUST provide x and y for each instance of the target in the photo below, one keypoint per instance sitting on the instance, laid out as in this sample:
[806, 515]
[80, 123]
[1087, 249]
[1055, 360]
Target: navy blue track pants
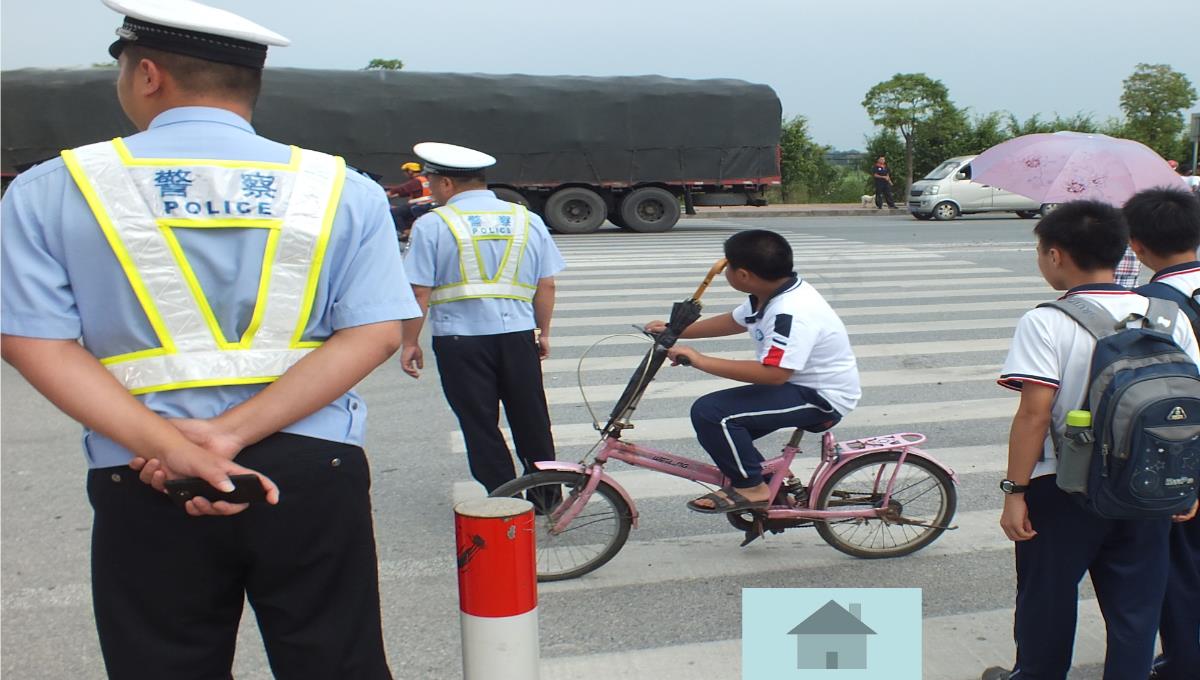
[1179, 628]
[727, 423]
[1127, 560]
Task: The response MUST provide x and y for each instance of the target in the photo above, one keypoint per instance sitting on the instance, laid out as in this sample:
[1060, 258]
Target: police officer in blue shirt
[203, 300]
[484, 269]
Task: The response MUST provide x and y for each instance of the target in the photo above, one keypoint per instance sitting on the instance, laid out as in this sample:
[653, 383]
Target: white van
[947, 192]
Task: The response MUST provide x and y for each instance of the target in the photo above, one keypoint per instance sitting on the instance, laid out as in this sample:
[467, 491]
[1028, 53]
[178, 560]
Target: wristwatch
[1010, 487]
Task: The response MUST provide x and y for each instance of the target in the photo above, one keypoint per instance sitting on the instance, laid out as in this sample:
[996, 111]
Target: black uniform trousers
[168, 588]
[883, 192]
[1127, 560]
[479, 372]
[1179, 628]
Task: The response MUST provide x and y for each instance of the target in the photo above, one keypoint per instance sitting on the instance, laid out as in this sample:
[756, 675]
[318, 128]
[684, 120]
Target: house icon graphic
[832, 638]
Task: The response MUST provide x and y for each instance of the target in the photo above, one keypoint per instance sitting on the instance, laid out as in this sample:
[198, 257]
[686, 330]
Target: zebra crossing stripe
[670, 290]
[979, 639]
[716, 556]
[627, 334]
[861, 351]
[833, 297]
[863, 418]
[695, 276]
[875, 310]
[679, 389]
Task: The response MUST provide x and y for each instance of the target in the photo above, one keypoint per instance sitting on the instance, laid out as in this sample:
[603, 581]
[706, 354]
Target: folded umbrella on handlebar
[683, 314]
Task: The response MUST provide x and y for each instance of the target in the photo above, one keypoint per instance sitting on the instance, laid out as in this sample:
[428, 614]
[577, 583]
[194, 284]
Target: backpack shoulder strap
[1094, 318]
[1161, 315]
[1163, 290]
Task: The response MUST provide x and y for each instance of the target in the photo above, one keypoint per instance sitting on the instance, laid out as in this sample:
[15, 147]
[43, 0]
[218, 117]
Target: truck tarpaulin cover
[542, 129]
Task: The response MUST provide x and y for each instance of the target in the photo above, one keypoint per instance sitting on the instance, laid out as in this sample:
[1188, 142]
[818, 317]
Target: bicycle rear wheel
[921, 506]
[594, 537]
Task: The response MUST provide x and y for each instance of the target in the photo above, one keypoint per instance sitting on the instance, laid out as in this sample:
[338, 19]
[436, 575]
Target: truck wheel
[945, 211]
[575, 210]
[650, 209]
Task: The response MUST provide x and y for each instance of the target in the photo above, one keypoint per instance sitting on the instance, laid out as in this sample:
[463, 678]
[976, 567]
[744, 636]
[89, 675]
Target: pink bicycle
[871, 498]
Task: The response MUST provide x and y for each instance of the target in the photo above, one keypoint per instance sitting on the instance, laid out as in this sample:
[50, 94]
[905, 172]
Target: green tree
[384, 65]
[985, 132]
[902, 104]
[805, 174]
[943, 135]
[1153, 100]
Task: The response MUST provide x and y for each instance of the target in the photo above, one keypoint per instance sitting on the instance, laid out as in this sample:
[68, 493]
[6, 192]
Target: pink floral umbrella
[1067, 166]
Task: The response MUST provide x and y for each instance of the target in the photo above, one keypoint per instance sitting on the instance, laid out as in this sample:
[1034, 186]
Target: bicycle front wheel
[921, 505]
[594, 537]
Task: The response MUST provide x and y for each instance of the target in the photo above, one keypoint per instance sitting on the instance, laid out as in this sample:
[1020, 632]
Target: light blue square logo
[831, 633]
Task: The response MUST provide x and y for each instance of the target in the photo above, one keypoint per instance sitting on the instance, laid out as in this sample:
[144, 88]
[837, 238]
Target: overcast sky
[1024, 56]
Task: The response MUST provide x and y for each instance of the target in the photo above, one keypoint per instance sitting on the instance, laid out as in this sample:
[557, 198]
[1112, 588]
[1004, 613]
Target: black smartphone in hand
[246, 489]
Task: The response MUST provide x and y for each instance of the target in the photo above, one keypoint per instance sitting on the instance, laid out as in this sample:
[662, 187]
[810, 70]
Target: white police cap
[451, 160]
[192, 29]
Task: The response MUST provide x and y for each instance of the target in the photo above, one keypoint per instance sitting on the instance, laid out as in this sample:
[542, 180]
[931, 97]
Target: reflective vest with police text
[468, 228]
[141, 202]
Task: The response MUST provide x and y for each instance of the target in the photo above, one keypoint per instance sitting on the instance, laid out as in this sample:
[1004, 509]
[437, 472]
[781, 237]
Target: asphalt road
[900, 285]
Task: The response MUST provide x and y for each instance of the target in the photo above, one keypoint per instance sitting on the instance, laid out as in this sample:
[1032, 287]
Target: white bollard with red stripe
[497, 589]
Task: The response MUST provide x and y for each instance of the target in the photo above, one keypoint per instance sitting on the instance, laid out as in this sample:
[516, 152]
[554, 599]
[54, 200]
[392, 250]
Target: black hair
[200, 76]
[1094, 234]
[1166, 221]
[760, 252]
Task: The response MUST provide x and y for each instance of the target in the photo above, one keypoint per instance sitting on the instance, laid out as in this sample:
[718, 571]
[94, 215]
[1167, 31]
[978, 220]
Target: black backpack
[1141, 457]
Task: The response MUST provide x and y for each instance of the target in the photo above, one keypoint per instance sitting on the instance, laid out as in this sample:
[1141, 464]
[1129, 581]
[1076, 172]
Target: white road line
[678, 389]
[731, 298]
[572, 340]
[955, 647]
[917, 261]
[675, 258]
[801, 255]
[861, 351]
[678, 288]
[863, 418]
[647, 484]
[716, 556]
[629, 281]
[899, 308]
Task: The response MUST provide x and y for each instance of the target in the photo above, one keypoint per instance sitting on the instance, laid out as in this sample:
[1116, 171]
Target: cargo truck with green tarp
[577, 150]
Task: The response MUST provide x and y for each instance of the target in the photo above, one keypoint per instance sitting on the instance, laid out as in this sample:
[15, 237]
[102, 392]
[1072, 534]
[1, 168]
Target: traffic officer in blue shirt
[484, 269]
[203, 300]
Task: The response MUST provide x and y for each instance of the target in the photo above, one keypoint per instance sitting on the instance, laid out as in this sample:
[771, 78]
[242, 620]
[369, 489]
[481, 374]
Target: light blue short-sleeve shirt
[432, 261]
[61, 280]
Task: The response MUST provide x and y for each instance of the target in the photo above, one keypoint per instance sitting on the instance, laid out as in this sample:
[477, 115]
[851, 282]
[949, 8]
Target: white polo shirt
[1050, 348]
[797, 329]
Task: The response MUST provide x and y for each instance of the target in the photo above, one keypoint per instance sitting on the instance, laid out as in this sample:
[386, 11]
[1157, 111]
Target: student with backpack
[1093, 492]
[1164, 231]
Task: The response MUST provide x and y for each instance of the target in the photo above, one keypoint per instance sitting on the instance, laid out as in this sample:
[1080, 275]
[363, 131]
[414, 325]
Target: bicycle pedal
[753, 533]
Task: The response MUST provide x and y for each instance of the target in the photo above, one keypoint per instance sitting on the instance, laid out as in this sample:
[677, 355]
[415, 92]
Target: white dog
[868, 200]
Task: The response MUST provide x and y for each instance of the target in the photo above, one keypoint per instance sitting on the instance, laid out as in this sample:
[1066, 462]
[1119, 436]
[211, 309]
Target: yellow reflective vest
[140, 202]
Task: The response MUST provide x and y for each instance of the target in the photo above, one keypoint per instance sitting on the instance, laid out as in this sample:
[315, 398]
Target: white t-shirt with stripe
[797, 329]
[1050, 348]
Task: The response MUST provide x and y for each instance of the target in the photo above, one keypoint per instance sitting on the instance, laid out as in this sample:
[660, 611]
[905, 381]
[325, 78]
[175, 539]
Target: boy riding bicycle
[805, 374]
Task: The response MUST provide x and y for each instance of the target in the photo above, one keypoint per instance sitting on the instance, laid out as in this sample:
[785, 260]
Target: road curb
[798, 212]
